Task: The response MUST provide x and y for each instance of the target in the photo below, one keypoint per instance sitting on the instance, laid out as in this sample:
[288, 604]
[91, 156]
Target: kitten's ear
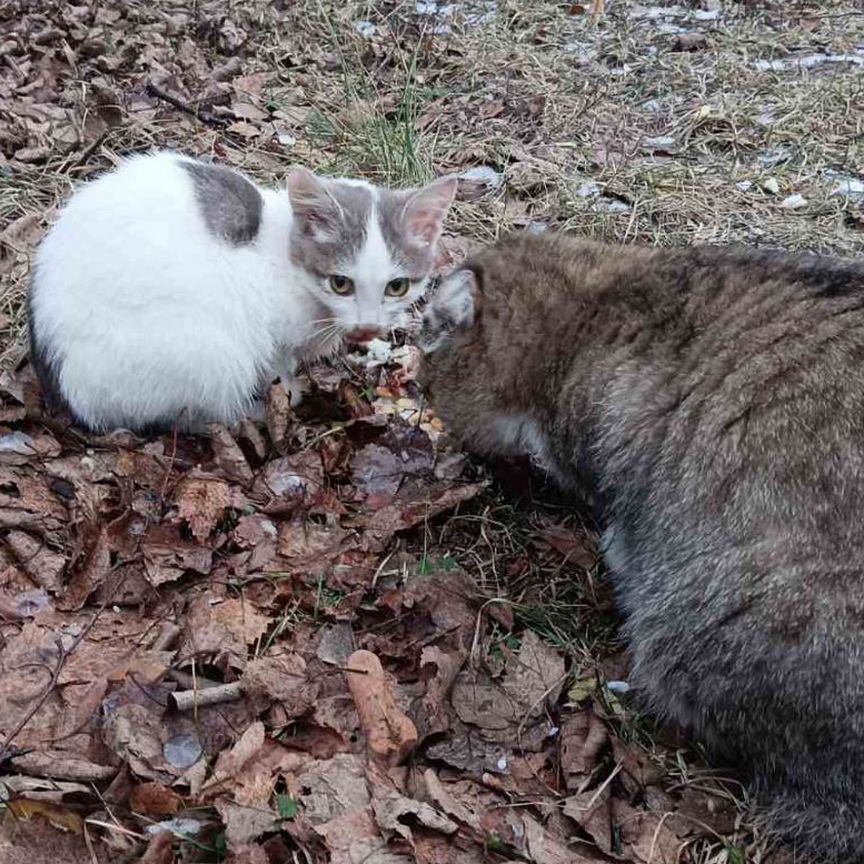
[312, 204]
[454, 306]
[424, 212]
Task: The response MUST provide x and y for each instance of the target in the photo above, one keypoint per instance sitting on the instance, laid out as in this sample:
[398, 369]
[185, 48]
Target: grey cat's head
[368, 251]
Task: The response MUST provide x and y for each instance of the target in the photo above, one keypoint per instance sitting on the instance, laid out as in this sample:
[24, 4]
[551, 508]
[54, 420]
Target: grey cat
[712, 401]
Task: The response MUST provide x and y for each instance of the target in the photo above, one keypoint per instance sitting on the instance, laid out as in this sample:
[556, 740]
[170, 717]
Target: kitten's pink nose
[362, 334]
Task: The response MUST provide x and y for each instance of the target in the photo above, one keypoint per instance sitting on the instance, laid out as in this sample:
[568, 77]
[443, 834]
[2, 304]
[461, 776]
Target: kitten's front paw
[296, 388]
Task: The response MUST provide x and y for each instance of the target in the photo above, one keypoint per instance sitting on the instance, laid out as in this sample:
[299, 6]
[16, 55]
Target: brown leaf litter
[280, 671]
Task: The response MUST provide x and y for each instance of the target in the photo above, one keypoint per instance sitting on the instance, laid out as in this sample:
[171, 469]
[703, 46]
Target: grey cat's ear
[312, 204]
[454, 306]
[424, 212]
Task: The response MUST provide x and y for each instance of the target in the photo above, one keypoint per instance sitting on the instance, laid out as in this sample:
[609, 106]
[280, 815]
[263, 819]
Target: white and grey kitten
[171, 290]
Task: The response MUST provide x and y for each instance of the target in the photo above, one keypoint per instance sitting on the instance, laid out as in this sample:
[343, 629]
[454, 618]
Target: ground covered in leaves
[329, 637]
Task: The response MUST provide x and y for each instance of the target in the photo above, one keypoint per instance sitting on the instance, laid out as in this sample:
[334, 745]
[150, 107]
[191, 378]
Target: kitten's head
[368, 252]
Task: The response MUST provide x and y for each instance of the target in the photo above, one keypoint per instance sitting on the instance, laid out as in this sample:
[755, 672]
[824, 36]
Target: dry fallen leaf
[536, 676]
[160, 849]
[391, 808]
[230, 762]
[355, 838]
[583, 736]
[332, 788]
[228, 457]
[201, 501]
[56, 816]
[390, 734]
[591, 811]
[154, 799]
[244, 824]
[284, 680]
[646, 837]
[223, 628]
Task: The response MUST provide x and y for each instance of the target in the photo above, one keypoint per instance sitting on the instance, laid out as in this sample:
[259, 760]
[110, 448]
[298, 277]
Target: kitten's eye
[341, 285]
[398, 287]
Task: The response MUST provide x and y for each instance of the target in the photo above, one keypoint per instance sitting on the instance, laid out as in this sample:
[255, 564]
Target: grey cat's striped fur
[713, 402]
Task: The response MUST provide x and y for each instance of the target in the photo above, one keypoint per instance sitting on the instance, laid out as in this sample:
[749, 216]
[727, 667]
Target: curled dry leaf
[240, 620]
[542, 848]
[202, 501]
[228, 457]
[41, 563]
[638, 769]
[307, 547]
[167, 556]
[440, 669]
[390, 734]
[135, 734]
[455, 800]
[646, 837]
[28, 501]
[290, 481]
[246, 748]
[154, 799]
[36, 789]
[280, 417]
[89, 572]
[391, 808]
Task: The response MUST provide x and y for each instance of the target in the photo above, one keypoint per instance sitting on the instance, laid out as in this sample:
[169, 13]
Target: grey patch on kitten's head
[230, 205]
[330, 221]
[411, 223]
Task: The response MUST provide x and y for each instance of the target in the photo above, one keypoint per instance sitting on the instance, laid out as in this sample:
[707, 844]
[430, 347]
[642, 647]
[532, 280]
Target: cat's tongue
[362, 334]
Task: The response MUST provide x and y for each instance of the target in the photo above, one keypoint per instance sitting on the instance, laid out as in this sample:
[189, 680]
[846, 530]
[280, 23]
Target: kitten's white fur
[146, 316]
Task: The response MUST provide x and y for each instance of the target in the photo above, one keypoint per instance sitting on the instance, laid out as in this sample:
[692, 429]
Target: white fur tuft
[147, 317]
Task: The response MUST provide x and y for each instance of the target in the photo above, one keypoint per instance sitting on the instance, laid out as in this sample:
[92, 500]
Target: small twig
[166, 637]
[109, 827]
[90, 150]
[205, 118]
[55, 675]
[350, 669]
[51, 765]
[183, 700]
[89, 844]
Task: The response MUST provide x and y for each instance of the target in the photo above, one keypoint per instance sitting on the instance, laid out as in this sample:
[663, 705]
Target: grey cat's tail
[822, 828]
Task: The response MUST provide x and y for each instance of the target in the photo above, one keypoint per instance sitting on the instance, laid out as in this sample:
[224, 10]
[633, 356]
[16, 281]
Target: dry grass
[599, 126]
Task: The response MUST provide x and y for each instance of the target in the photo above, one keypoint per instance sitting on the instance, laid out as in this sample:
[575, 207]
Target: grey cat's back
[713, 400]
